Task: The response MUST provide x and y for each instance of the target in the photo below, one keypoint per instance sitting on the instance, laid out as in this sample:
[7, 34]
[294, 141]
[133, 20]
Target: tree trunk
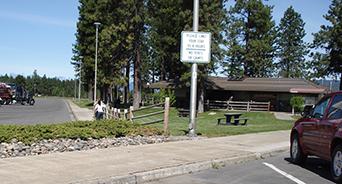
[104, 94]
[137, 62]
[137, 81]
[90, 92]
[201, 100]
[162, 72]
[115, 95]
[246, 72]
[126, 90]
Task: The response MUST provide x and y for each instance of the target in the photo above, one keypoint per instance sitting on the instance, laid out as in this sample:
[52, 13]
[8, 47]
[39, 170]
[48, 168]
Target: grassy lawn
[84, 103]
[207, 124]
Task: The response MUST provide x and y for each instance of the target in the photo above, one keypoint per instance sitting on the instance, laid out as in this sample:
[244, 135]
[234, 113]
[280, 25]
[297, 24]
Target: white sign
[195, 47]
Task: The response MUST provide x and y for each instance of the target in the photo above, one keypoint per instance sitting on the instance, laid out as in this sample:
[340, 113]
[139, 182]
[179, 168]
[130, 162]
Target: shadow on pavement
[317, 166]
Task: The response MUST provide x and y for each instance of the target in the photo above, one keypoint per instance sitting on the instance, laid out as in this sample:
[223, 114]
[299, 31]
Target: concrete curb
[146, 176]
[71, 110]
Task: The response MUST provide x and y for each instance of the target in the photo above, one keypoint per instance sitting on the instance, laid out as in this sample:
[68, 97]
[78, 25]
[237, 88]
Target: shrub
[163, 93]
[73, 130]
[297, 102]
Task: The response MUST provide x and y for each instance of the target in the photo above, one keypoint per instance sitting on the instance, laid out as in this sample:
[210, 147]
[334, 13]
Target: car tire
[8, 101]
[336, 164]
[297, 155]
[32, 101]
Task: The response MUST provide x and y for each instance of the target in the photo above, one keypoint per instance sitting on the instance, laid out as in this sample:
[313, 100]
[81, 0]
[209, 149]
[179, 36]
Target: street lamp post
[75, 88]
[80, 77]
[97, 24]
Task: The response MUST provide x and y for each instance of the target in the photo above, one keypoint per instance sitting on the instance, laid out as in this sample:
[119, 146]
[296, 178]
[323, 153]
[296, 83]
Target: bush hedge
[29, 134]
[297, 102]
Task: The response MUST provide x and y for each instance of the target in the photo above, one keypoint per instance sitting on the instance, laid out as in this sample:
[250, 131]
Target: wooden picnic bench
[237, 121]
[219, 120]
[233, 116]
[184, 113]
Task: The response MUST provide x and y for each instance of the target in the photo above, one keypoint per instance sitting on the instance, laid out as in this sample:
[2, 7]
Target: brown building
[278, 91]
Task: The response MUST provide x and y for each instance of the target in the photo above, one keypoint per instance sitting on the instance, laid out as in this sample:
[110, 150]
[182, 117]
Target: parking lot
[273, 170]
[44, 111]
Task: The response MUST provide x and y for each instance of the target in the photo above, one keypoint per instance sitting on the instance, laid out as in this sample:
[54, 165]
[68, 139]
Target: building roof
[289, 85]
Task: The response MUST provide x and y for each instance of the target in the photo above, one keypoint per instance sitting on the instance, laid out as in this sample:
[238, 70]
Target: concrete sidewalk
[283, 116]
[81, 114]
[138, 164]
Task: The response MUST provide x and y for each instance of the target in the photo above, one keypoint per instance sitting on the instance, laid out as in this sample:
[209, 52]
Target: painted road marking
[283, 173]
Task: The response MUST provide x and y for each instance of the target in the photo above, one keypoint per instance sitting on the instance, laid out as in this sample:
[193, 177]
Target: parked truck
[23, 96]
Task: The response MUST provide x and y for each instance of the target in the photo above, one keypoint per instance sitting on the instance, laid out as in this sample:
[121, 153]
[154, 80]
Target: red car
[319, 133]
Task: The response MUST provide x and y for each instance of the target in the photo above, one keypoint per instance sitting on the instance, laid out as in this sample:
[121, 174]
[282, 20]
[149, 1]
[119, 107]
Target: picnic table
[184, 112]
[233, 116]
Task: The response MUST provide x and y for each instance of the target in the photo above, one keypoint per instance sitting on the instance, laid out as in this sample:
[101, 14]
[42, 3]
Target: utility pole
[193, 90]
[97, 24]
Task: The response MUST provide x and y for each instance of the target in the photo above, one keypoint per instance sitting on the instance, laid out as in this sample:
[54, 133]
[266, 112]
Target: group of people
[99, 109]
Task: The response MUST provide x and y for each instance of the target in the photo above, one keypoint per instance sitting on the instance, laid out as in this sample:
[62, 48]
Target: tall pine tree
[116, 42]
[329, 38]
[292, 49]
[211, 19]
[250, 25]
[166, 21]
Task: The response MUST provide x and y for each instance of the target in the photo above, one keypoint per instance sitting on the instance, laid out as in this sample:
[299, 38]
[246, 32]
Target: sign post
[195, 48]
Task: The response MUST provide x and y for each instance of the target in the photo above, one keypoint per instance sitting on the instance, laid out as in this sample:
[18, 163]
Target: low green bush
[297, 102]
[29, 134]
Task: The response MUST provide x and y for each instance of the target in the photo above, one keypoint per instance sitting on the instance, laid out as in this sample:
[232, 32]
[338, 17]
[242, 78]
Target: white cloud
[36, 19]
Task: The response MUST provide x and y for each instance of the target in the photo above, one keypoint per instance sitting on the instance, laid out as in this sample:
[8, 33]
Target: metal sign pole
[193, 92]
[79, 83]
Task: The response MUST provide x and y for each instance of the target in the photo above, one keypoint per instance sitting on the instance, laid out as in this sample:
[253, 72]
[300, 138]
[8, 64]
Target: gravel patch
[17, 148]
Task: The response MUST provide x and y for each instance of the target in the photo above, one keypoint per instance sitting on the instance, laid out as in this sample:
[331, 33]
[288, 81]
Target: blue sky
[38, 34]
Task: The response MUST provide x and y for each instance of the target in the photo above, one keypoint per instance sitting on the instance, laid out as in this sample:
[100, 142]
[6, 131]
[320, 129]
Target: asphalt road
[44, 111]
[268, 171]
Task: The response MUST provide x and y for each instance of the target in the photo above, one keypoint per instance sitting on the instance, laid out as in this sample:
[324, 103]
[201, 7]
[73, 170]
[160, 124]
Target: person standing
[99, 110]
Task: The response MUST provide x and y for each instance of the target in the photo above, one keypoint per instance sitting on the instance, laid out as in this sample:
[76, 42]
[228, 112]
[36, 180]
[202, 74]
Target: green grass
[84, 103]
[207, 124]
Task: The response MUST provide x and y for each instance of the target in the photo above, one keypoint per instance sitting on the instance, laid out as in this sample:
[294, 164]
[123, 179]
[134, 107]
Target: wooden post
[269, 106]
[166, 114]
[248, 107]
[125, 114]
[112, 113]
[119, 114]
[208, 105]
[115, 113]
[107, 112]
[131, 112]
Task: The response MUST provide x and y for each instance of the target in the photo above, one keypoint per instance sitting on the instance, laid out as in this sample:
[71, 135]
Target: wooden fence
[239, 105]
[130, 114]
[114, 113]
